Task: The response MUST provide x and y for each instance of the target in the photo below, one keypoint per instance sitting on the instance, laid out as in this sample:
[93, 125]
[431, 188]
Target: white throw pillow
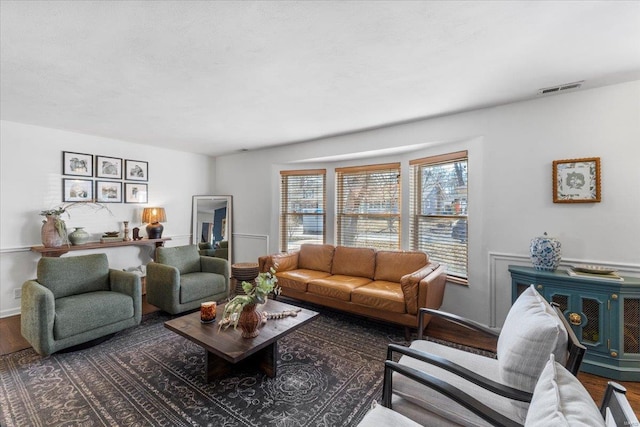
[531, 331]
[559, 399]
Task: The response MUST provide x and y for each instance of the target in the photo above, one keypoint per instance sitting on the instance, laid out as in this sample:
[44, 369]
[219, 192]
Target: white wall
[31, 162]
[511, 149]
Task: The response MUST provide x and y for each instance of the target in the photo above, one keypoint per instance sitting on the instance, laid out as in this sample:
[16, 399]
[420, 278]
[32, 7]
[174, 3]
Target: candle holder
[126, 231]
[208, 312]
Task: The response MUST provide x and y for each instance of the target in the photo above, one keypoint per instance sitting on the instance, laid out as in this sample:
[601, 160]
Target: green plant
[256, 293]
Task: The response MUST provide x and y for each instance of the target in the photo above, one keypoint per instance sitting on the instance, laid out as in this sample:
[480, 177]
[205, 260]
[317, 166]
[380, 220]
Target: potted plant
[241, 310]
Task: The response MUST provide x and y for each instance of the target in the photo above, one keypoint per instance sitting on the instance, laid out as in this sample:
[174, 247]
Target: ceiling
[219, 77]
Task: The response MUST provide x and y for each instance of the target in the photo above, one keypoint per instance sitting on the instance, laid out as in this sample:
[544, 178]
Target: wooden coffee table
[225, 349]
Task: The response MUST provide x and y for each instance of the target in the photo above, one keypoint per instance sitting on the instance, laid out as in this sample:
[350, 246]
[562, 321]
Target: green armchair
[75, 300]
[180, 279]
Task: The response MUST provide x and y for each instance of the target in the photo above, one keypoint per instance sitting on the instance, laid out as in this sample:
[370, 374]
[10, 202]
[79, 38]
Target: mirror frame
[195, 238]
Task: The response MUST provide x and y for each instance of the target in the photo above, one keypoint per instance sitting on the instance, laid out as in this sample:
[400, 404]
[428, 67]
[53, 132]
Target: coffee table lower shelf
[226, 350]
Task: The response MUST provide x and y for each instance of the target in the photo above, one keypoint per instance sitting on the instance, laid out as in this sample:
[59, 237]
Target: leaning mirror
[211, 226]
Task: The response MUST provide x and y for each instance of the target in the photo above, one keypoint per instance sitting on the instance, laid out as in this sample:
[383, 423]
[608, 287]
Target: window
[439, 210]
[368, 206]
[302, 208]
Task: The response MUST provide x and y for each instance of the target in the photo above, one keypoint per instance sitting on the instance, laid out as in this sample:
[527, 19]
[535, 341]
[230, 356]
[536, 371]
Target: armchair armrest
[37, 314]
[441, 362]
[214, 265]
[454, 393]
[129, 284]
[165, 281]
[468, 323]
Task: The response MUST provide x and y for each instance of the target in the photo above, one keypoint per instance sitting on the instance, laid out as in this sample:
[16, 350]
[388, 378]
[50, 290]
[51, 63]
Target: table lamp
[154, 216]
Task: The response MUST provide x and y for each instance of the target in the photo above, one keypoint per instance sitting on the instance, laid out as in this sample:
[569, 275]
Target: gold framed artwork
[576, 180]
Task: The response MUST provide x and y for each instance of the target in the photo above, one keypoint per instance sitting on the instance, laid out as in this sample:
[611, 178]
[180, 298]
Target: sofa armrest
[214, 265]
[279, 262]
[37, 314]
[129, 284]
[163, 284]
[412, 285]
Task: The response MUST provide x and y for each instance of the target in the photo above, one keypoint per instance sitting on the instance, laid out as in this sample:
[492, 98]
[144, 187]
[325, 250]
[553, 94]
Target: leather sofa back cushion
[315, 257]
[392, 265]
[359, 262]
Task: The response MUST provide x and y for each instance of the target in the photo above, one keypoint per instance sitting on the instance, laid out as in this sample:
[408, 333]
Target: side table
[243, 272]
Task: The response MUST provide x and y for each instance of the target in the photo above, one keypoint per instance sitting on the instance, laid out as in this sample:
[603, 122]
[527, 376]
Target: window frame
[415, 204]
[284, 203]
[340, 199]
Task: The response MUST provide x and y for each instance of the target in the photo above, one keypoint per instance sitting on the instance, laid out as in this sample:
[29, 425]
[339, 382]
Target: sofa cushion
[196, 286]
[316, 257]
[336, 286]
[74, 275]
[298, 279]
[559, 399]
[392, 265]
[380, 294]
[185, 258]
[360, 262]
[80, 313]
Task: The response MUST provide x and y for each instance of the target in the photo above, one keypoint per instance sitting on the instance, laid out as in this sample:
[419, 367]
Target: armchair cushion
[531, 332]
[560, 399]
[74, 275]
[83, 312]
[196, 286]
[185, 258]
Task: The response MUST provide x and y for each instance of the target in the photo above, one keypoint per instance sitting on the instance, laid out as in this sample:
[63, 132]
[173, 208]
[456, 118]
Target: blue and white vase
[545, 253]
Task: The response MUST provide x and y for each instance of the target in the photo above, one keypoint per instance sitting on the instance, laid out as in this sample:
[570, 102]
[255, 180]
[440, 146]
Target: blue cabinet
[604, 314]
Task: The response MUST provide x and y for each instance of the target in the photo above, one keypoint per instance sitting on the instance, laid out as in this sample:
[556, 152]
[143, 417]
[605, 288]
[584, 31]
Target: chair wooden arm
[441, 362]
[468, 323]
[615, 400]
[483, 411]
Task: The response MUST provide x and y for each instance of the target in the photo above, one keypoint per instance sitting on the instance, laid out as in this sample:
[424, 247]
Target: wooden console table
[56, 252]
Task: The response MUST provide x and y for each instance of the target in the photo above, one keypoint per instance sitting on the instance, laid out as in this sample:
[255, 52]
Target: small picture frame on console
[576, 180]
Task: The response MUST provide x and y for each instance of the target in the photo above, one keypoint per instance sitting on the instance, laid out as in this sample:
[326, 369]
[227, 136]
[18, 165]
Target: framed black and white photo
[108, 192]
[136, 170]
[108, 167]
[135, 193]
[77, 190]
[77, 164]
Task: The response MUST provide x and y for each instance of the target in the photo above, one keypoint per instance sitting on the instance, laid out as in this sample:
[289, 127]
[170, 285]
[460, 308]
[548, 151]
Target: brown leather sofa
[384, 285]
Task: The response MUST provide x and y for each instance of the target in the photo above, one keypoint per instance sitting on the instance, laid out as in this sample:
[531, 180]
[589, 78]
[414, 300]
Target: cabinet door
[588, 314]
[630, 330]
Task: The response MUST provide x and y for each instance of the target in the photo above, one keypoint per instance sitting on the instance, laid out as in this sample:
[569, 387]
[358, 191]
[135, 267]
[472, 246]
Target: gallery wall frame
[108, 167]
[77, 164]
[77, 190]
[136, 170]
[135, 192]
[108, 192]
[577, 180]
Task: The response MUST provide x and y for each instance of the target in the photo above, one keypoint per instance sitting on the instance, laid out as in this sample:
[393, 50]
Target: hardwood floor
[11, 340]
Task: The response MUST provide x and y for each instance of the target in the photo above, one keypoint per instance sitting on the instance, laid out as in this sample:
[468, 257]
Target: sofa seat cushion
[337, 286]
[196, 286]
[386, 296]
[298, 279]
[360, 262]
[79, 313]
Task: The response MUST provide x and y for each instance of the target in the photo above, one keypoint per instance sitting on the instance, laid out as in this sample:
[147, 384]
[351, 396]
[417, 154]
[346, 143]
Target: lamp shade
[152, 215]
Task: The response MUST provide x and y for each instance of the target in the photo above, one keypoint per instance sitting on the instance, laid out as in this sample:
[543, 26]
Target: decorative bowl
[112, 233]
[594, 269]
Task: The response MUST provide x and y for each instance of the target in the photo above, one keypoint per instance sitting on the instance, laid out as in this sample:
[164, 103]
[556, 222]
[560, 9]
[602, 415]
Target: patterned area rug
[329, 372]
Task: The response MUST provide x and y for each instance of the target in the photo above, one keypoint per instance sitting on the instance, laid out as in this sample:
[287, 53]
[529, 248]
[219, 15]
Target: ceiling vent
[555, 89]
